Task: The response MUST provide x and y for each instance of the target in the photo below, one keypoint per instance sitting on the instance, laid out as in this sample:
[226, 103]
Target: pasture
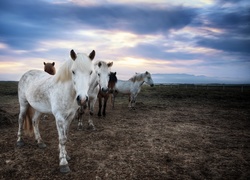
[174, 133]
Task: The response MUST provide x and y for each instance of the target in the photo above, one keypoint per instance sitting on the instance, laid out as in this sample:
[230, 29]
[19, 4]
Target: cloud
[226, 44]
[208, 37]
[23, 23]
[137, 19]
[230, 1]
[157, 52]
[231, 20]
[231, 25]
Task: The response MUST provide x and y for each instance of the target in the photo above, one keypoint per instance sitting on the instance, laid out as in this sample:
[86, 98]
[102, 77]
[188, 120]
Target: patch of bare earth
[167, 136]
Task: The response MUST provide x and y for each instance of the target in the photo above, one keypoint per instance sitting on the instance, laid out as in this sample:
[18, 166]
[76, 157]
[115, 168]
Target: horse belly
[123, 87]
[39, 101]
[41, 107]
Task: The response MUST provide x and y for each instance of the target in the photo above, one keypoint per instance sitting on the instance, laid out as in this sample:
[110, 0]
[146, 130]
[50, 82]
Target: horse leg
[91, 112]
[100, 106]
[35, 120]
[113, 96]
[70, 119]
[62, 128]
[80, 113]
[104, 105]
[130, 100]
[112, 100]
[23, 109]
[133, 101]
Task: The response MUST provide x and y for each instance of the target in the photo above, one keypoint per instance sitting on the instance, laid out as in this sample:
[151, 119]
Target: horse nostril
[87, 98]
[78, 98]
[104, 89]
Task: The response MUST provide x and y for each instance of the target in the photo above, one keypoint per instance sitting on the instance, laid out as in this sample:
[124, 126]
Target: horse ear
[44, 63]
[147, 72]
[99, 64]
[114, 73]
[53, 64]
[110, 64]
[73, 54]
[92, 55]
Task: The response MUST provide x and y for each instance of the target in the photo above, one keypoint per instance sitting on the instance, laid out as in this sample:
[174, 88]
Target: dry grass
[174, 133]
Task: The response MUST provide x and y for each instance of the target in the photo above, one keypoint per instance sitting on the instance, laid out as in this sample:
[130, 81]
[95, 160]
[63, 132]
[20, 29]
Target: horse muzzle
[105, 90]
[82, 101]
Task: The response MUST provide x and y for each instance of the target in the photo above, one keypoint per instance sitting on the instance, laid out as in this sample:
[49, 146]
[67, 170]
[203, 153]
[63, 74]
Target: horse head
[50, 68]
[81, 70]
[112, 81]
[148, 79]
[103, 71]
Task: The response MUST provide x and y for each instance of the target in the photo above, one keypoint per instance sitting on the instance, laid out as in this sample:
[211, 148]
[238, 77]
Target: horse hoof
[41, 145]
[20, 143]
[79, 128]
[64, 169]
[91, 127]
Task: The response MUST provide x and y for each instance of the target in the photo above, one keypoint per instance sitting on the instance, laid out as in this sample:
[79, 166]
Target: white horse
[132, 87]
[60, 95]
[98, 82]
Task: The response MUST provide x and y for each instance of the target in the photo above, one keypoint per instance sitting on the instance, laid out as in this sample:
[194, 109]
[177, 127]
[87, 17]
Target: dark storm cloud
[141, 20]
[25, 22]
[234, 23]
[227, 44]
[230, 1]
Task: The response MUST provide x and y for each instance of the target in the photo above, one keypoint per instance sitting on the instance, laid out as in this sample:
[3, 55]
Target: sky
[202, 38]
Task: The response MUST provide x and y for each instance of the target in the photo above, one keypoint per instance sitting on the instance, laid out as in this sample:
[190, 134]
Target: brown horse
[111, 85]
[50, 68]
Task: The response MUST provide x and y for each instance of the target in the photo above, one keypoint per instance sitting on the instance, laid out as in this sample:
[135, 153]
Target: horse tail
[28, 126]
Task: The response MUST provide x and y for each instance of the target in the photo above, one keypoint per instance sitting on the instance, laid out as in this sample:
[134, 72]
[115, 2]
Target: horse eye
[98, 74]
[90, 73]
[73, 72]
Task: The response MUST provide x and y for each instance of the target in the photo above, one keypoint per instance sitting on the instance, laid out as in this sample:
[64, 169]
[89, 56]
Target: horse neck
[93, 81]
[111, 84]
[138, 81]
[63, 74]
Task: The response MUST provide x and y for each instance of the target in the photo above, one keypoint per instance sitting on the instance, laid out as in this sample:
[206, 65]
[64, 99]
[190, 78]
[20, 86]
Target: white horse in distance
[132, 87]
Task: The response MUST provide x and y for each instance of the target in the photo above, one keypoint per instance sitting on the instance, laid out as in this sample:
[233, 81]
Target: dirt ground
[174, 133]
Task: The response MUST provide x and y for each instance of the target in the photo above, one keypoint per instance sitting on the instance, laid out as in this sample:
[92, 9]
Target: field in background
[175, 132]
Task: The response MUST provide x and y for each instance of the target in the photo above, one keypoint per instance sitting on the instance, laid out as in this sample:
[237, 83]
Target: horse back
[32, 78]
[33, 87]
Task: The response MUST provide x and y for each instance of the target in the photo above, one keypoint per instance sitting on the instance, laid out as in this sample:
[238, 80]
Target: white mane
[138, 77]
[64, 72]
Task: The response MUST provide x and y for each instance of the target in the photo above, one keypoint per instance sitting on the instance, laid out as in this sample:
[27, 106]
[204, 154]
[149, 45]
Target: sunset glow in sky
[198, 37]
